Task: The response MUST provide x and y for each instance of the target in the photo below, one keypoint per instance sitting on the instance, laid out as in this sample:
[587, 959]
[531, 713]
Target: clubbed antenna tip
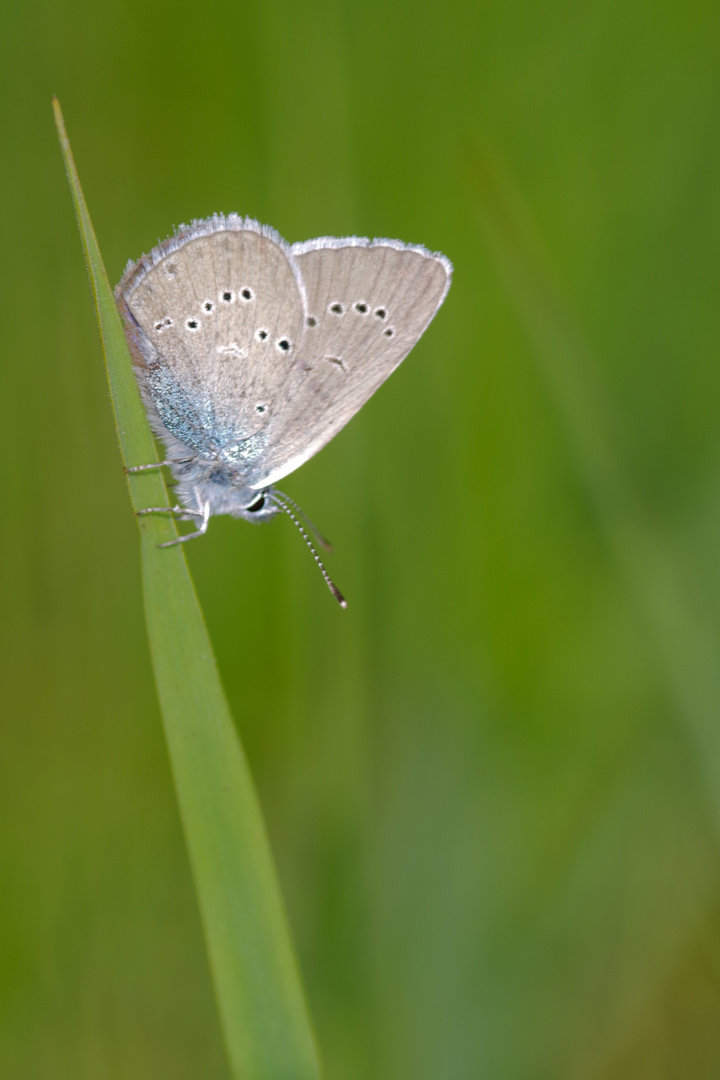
[283, 502]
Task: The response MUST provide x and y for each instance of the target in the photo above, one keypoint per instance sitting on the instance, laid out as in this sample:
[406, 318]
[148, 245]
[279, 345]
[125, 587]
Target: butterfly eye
[257, 504]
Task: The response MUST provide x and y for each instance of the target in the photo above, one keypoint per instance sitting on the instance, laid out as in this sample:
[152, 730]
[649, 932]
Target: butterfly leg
[203, 512]
[159, 465]
[145, 468]
[183, 510]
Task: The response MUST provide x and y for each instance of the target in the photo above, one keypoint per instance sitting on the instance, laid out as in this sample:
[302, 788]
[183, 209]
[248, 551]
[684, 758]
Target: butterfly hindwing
[220, 315]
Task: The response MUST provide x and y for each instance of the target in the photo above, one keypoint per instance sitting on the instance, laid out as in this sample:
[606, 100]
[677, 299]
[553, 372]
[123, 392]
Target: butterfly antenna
[273, 495]
[324, 544]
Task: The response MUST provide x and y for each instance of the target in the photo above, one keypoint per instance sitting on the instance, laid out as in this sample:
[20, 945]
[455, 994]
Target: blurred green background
[493, 785]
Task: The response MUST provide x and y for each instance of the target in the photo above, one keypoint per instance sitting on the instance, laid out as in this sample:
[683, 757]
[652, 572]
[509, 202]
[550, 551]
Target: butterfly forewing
[367, 305]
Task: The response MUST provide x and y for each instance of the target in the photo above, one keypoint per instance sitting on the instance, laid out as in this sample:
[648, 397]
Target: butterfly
[252, 353]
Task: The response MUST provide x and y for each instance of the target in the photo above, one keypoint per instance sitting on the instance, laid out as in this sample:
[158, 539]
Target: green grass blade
[263, 1012]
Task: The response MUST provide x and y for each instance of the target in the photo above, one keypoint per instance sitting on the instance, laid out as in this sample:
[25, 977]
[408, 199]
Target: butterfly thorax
[222, 489]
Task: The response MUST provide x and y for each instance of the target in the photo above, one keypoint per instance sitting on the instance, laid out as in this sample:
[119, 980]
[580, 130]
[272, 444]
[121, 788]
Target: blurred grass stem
[260, 999]
[643, 554]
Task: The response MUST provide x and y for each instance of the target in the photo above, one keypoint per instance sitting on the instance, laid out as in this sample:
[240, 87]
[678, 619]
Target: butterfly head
[260, 506]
